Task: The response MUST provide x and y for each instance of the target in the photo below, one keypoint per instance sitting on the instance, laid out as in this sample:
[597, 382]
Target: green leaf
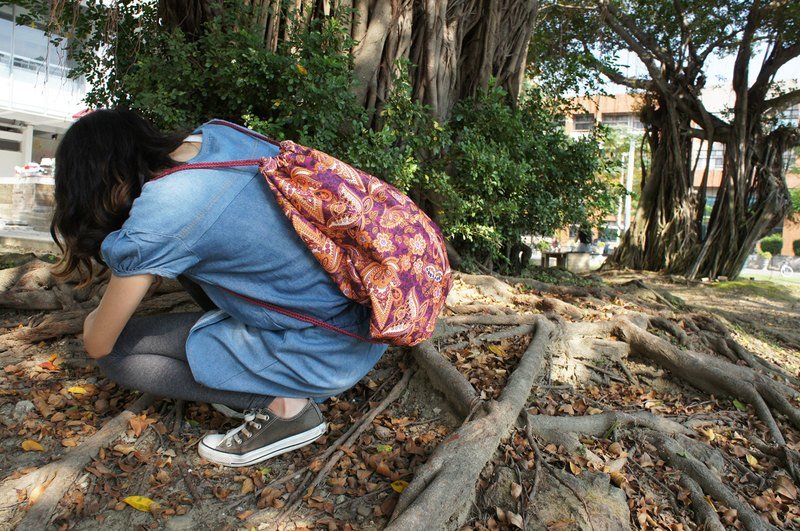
[740, 406]
[384, 448]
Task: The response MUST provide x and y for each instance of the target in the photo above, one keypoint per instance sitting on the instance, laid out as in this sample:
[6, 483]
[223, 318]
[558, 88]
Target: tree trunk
[663, 234]
[752, 199]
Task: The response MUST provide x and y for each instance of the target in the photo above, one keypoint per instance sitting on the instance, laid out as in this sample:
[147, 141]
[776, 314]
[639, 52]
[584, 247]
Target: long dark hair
[101, 164]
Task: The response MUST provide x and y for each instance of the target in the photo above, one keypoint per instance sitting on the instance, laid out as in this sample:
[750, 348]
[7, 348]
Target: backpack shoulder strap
[257, 162]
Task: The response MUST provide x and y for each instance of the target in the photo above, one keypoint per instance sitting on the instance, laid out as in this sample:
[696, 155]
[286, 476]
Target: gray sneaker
[263, 435]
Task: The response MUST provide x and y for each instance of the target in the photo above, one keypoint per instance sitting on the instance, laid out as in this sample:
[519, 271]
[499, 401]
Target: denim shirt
[223, 229]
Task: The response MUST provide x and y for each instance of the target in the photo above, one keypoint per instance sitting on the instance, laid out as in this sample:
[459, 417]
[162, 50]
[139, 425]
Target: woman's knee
[113, 366]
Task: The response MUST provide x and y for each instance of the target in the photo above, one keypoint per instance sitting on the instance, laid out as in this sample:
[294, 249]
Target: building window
[583, 122]
[621, 120]
[717, 160]
[9, 145]
[29, 48]
[790, 117]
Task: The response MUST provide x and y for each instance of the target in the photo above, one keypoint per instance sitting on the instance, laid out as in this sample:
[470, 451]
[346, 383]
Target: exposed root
[442, 492]
[681, 458]
[493, 320]
[549, 304]
[574, 291]
[482, 309]
[59, 476]
[71, 322]
[445, 378]
[705, 514]
[520, 330]
[713, 326]
[537, 456]
[671, 328]
[487, 285]
[712, 375]
[565, 431]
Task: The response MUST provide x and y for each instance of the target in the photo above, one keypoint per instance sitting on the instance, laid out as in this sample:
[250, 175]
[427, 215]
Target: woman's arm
[103, 326]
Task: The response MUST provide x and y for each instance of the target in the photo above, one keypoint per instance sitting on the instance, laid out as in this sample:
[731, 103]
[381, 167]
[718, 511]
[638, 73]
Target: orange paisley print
[374, 242]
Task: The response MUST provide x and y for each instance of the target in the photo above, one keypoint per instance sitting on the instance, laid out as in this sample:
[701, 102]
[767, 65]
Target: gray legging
[150, 355]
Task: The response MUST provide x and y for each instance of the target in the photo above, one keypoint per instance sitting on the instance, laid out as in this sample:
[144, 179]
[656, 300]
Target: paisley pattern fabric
[376, 244]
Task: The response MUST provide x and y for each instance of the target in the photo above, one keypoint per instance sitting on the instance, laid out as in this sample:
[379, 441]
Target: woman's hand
[103, 326]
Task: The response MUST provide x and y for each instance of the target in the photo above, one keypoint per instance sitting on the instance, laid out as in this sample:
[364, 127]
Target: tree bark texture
[455, 46]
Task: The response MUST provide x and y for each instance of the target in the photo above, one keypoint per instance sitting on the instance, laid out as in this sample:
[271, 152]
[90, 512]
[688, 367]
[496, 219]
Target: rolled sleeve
[129, 253]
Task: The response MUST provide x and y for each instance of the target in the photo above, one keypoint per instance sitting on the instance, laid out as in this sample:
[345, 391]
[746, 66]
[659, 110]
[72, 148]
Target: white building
[37, 101]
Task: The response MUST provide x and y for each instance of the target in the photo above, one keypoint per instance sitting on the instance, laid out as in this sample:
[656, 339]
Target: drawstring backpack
[379, 248]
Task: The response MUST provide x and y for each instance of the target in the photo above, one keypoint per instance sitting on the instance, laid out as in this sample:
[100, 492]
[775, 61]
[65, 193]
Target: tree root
[445, 378]
[681, 458]
[59, 476]
[487, 285]
[71, 323]
[705, 514]
[478, 308]
[713, 375]
[364, 423]
[564, 431]
[574, 291]
[520, 330]
[442, 492]
[712, 325]
[549, 304]
[493, 320]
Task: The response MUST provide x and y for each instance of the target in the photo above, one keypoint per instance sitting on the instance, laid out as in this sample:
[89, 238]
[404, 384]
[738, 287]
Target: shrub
[772, 244]
[796, 247]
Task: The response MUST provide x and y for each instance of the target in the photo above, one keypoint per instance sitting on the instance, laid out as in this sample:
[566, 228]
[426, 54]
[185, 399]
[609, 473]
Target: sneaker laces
[252, 419]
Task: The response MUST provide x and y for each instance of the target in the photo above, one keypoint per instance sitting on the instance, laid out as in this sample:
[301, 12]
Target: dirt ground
[765, 313]
[53, 399]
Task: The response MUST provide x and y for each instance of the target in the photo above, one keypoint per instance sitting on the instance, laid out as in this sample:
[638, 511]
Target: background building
[37, 100]
[37, 104]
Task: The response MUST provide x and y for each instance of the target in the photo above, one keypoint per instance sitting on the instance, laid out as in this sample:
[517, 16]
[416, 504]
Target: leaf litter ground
[156, 458]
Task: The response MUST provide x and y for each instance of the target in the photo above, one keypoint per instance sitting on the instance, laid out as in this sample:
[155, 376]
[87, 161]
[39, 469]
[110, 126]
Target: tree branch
[779, 103]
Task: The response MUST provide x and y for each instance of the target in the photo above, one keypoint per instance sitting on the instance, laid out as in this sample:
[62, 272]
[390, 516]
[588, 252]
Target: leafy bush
[517, 173]
[772, 244]
[796, 247]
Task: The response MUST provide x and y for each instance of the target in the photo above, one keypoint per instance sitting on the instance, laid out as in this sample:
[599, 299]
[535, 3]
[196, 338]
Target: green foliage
[517, 173]
[543, 246]
[796, 247]
[488, 176]
[772, 244]
[795, 198]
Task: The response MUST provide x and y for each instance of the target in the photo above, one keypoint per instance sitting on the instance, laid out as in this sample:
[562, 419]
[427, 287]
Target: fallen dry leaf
[30, 445]
[141, 503]
[138, 423]
[785, 487]
[399, 485]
